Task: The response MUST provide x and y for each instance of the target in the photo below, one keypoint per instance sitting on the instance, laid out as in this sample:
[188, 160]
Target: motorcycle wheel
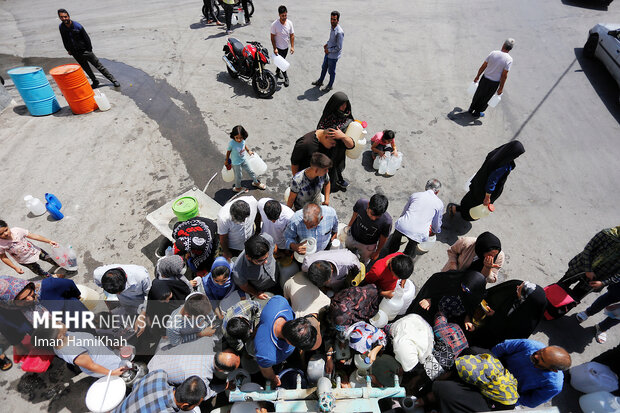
[265, 84]
[231, 73]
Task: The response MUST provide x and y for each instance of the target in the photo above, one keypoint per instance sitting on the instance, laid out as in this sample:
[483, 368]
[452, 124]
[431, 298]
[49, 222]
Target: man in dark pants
[244, 3]
[77, 43]
[282, 35]
[495, 68]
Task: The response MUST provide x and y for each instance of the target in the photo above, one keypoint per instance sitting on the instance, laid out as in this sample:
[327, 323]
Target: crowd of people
[271, 286]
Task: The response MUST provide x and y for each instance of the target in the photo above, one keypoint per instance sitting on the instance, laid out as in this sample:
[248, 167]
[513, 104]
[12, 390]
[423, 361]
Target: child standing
[13, 241]
[307, 185]
[384, 142]
[235, 156]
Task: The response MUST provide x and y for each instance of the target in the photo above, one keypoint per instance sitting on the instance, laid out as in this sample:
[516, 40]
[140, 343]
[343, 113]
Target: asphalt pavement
[406, 66]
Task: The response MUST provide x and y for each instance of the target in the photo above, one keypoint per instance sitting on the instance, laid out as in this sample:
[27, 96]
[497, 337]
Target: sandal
[241, 189]
[449, 210]
[259, 185]
[601, 336]
[5, 363]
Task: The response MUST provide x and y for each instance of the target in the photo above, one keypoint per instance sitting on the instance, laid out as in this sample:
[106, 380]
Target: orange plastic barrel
[74, 86]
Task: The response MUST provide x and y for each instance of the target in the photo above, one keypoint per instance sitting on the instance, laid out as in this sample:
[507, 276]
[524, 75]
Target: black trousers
[84, 58]
[455, 396]
[208, 5]
[283, 53]
[393, 245]
[228, 12]
[486, 90]
[244, 3]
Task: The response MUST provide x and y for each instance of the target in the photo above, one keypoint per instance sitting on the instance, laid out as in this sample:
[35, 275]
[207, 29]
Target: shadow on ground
[241, 87]
[452, 228]
[588, 4]
[458, 116]
[602, 82]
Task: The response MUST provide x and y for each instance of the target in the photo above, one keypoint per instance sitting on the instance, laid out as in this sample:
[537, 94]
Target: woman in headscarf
[516, 307]
[456, 294]
[335, 119]
[20, 298]
[488, 183]
[483, 254]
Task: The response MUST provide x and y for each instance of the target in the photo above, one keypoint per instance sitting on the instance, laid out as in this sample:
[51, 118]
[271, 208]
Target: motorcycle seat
[237, 47]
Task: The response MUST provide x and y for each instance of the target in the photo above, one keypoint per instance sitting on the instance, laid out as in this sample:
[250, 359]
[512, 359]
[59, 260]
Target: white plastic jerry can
[356, 131]
[495, 100]
[35, 205]
[471, 90]
[481, 211]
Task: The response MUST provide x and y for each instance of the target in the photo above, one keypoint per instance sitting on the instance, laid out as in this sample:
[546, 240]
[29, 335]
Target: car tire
[590, 47]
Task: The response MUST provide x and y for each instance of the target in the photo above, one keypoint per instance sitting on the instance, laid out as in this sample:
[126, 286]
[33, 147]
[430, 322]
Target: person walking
[77, 43]
[488, 183]
[282, 36]
[494, 72]
[333, 51]
[228, 6]
[612, 296]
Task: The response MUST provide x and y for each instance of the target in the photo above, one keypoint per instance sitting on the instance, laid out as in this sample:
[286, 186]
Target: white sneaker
[582, 316]
[601, 336]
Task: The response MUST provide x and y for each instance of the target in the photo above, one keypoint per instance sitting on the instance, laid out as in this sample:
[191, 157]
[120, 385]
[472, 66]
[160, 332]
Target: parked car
[604, 43]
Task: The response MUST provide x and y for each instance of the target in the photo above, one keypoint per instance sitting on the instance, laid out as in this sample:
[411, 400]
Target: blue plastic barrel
[35, 89]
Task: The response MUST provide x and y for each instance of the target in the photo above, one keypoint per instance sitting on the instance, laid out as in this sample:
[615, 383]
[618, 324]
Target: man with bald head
[538, 369]
[313, 221]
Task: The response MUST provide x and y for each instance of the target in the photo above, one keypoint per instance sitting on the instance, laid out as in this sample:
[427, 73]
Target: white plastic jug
[256, 164]
[383, 163]
[35, 205]
[228, 175]
[336, 245]
[362, 362]
[234, 20]
[380, 319]
[481, 211]
[356, 131]
[392, 306]
[424, 247]
[495, 100]
[471, 90]
[241, 15]
[394, 163]
[280, 62]
[102, 101]
[599, 402]
[408, 296]
[310, 249]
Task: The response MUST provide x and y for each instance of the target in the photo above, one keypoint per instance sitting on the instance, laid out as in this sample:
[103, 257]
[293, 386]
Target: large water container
[356, 131]
[408, 296]
[394, 163]
[392, 306]
[494, 101]
[481, 211]
[471, 90]
[383, 163]
[74, 86]
[35, 89]
[280, 62]
[256, 164]
[228, 175]
[35, 205]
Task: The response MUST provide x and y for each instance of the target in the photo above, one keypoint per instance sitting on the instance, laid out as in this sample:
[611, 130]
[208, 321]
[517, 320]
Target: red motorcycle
[249, 63]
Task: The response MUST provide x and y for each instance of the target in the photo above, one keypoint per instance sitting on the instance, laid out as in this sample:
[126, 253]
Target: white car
[604, 43]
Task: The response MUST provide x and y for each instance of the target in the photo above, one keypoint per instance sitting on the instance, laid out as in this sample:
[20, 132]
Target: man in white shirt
[420, 219]
[495, 68]
[275, 217]
[282, 35]
[235, 225]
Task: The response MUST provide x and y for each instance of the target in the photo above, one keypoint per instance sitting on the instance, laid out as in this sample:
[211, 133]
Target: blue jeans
[610, 297]
[237, 169]
[328, 65]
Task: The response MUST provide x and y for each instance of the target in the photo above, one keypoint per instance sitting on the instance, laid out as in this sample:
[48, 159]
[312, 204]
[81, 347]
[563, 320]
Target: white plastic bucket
[280, 62]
